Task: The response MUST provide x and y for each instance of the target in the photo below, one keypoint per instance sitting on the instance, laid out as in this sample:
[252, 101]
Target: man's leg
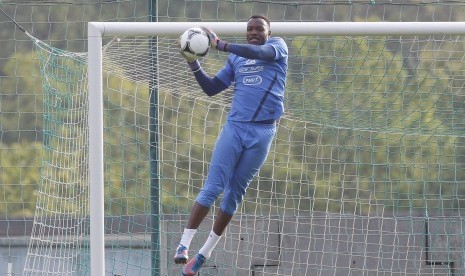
[222, 220]
[257, 146]
[197, 215]
[246, 168]
[224, 157]
[256, 149]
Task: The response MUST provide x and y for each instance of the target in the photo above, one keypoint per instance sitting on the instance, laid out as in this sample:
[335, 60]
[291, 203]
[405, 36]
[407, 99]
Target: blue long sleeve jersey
[258, 74]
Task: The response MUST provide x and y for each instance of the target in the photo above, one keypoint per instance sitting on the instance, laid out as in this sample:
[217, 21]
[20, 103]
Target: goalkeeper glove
[190, 58]
[215, 41]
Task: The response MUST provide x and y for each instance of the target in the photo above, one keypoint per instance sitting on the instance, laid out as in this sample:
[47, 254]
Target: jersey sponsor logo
[250, 61]
[251, 69]
[252, 80]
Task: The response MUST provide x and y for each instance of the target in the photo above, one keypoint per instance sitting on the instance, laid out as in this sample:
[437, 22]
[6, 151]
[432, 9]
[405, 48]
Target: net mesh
[391, 185]
[363, 176]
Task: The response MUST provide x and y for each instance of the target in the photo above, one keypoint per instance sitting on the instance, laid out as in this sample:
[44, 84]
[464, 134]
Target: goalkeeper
[258, 72]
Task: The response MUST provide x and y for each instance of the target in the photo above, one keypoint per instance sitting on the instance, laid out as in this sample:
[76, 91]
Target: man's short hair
[267, 20]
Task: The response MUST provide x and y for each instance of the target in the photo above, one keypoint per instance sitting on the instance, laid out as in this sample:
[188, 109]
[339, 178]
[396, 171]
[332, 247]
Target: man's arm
[211, 86]
[262, 52]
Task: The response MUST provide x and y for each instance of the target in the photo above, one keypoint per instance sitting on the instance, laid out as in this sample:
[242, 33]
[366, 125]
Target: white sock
[187, 237]
[209, 245]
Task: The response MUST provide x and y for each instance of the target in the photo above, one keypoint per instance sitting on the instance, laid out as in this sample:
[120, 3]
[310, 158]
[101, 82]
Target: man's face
[257, 31]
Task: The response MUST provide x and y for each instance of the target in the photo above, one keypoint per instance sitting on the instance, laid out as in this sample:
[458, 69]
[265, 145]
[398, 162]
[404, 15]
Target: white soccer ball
[195, 41]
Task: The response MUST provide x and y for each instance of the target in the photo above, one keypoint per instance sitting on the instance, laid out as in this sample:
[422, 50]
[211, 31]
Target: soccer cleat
[181, 256]
[194, 265]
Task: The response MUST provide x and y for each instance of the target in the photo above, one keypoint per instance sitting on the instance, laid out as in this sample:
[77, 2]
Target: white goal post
[96, 32]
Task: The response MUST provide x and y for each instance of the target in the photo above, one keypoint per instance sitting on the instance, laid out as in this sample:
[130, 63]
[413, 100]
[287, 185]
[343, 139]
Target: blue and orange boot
[194, 265]
[181, 256]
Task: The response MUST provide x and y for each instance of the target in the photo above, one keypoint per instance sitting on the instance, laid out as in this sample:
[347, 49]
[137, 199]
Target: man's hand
[215, 41]
[188, 56]
[213, 37]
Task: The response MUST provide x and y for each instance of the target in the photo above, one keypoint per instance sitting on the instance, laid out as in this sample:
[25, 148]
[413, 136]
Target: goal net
[363, 178]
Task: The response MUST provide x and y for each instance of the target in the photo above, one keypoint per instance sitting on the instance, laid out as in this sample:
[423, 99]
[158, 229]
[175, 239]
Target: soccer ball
[195, 41]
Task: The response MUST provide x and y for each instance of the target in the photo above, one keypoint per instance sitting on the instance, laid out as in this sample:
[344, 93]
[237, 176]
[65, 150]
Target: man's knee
[230, 202]
[208, 195]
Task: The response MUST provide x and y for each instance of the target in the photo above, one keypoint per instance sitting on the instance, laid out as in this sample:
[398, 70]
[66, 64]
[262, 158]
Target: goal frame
[96, 32]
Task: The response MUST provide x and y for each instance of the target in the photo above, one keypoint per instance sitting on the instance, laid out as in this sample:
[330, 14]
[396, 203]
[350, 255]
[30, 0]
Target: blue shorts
[239, 153]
